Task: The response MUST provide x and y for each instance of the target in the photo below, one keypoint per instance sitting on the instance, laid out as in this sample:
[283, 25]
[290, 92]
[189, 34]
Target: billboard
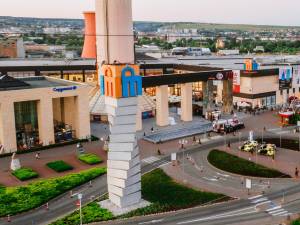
[236, 81]
[296, 76]
[285, 78]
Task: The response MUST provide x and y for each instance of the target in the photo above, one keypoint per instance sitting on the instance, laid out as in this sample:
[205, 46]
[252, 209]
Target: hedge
[59, 166]
[14, 200]
[90, 159]
[24, 174]
[90, 213]
[233, 164]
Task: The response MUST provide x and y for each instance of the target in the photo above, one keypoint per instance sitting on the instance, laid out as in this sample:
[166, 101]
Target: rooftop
[10, 83]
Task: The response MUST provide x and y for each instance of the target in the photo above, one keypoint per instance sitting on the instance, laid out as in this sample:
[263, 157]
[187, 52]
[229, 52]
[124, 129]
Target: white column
[187, 102]
[114, 28]
[162, 106]
[8, 127]
[45, 121]
[123, 165]
[83, 127]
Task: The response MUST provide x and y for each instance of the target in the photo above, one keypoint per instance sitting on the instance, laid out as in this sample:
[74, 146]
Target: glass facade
[26, 124]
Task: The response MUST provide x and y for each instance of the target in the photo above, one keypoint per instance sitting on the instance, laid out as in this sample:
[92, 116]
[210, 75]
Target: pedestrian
[228, 144]
[296, 172]
[158, 152]
[37, 155]
[152, 129]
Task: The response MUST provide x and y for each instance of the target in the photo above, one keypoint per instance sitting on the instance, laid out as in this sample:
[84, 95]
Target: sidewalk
[66, 153]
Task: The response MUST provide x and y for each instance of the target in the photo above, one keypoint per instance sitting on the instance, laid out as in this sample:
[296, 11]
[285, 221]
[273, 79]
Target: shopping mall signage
[60, 90]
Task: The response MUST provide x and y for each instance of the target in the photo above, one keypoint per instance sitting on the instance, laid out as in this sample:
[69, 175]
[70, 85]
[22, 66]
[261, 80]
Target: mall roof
[9, 83]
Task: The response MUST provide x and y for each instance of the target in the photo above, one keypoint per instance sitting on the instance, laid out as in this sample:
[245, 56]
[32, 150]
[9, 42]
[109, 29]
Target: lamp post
[182, 143]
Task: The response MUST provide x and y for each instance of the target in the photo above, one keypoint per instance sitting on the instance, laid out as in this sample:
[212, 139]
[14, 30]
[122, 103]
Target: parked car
[249, 146]
[267, 149]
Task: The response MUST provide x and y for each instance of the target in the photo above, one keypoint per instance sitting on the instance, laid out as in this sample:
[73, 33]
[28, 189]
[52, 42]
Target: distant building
[12, 48]
[220, 44]
[229, 52]
[259, 49]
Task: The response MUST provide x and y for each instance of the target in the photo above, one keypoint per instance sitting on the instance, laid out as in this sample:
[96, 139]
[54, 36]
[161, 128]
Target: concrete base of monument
[117, 211]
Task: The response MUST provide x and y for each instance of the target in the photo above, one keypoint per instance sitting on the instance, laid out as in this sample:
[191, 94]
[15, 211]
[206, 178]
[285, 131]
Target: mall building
[39, 111]
[266, 87]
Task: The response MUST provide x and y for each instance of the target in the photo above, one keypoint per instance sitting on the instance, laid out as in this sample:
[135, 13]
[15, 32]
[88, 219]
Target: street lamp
[182, 143]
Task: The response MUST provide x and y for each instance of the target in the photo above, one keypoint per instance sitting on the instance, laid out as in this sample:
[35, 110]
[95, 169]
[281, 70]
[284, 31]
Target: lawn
[14, 200]
[24, 174]
[234, 164]
[59, 166]
[90, 159]
[158, 188]
[167, 195]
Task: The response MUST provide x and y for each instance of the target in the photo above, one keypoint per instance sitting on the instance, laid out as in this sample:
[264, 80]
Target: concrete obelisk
[121, 84]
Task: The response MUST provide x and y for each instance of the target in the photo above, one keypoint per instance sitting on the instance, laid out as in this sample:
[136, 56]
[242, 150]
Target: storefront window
[26, 124]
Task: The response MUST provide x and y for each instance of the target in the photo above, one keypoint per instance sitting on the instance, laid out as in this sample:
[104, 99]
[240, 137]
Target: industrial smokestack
[89, 49]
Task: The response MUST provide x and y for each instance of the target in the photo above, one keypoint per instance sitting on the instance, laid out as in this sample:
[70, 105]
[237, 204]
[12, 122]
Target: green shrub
[15, 200]
[24, 174]
[59, 166]
[296, 222]
[90, 159]
[90, 213]
[234, 164]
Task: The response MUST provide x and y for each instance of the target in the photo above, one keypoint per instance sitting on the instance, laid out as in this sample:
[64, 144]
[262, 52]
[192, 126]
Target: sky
[271, 12]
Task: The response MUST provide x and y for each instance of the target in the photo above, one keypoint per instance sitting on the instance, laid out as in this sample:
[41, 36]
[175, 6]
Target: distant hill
[233, 27]
[144, 26]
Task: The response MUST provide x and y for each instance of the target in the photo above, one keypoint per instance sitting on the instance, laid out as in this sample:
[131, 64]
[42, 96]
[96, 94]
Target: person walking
[37, 155]
[296, 172]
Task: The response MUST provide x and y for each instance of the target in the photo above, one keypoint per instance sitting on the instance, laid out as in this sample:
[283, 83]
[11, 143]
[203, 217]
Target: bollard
[8, 218]
[90, 184]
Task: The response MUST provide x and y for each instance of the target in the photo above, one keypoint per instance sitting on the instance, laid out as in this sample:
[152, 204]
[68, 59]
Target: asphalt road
[63, 205]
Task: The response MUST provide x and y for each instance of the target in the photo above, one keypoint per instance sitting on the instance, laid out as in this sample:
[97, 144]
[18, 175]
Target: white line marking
[274, 208]
[220, 216]
[259, 200]
[254, 197]
[223, 175]
[209, 179]
[152, 221]
[166, 163]
[277, 211]
[280, 213]
[263, 203]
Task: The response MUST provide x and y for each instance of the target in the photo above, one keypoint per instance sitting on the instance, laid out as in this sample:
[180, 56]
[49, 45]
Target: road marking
[152, 221]
[151, 160]
[223, 175]
[164, 164]
[254, 197]
[224, 215]
[259, 200]
[274, 208]
[210, 179]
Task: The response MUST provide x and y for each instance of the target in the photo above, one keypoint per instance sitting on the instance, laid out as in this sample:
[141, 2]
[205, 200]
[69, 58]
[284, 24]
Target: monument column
[162, 105]
[187, 102]
[121, 85]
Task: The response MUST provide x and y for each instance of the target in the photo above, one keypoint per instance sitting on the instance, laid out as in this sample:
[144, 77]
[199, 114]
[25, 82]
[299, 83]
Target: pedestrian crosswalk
[150, 160]
[277, 211]
[273, 209]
